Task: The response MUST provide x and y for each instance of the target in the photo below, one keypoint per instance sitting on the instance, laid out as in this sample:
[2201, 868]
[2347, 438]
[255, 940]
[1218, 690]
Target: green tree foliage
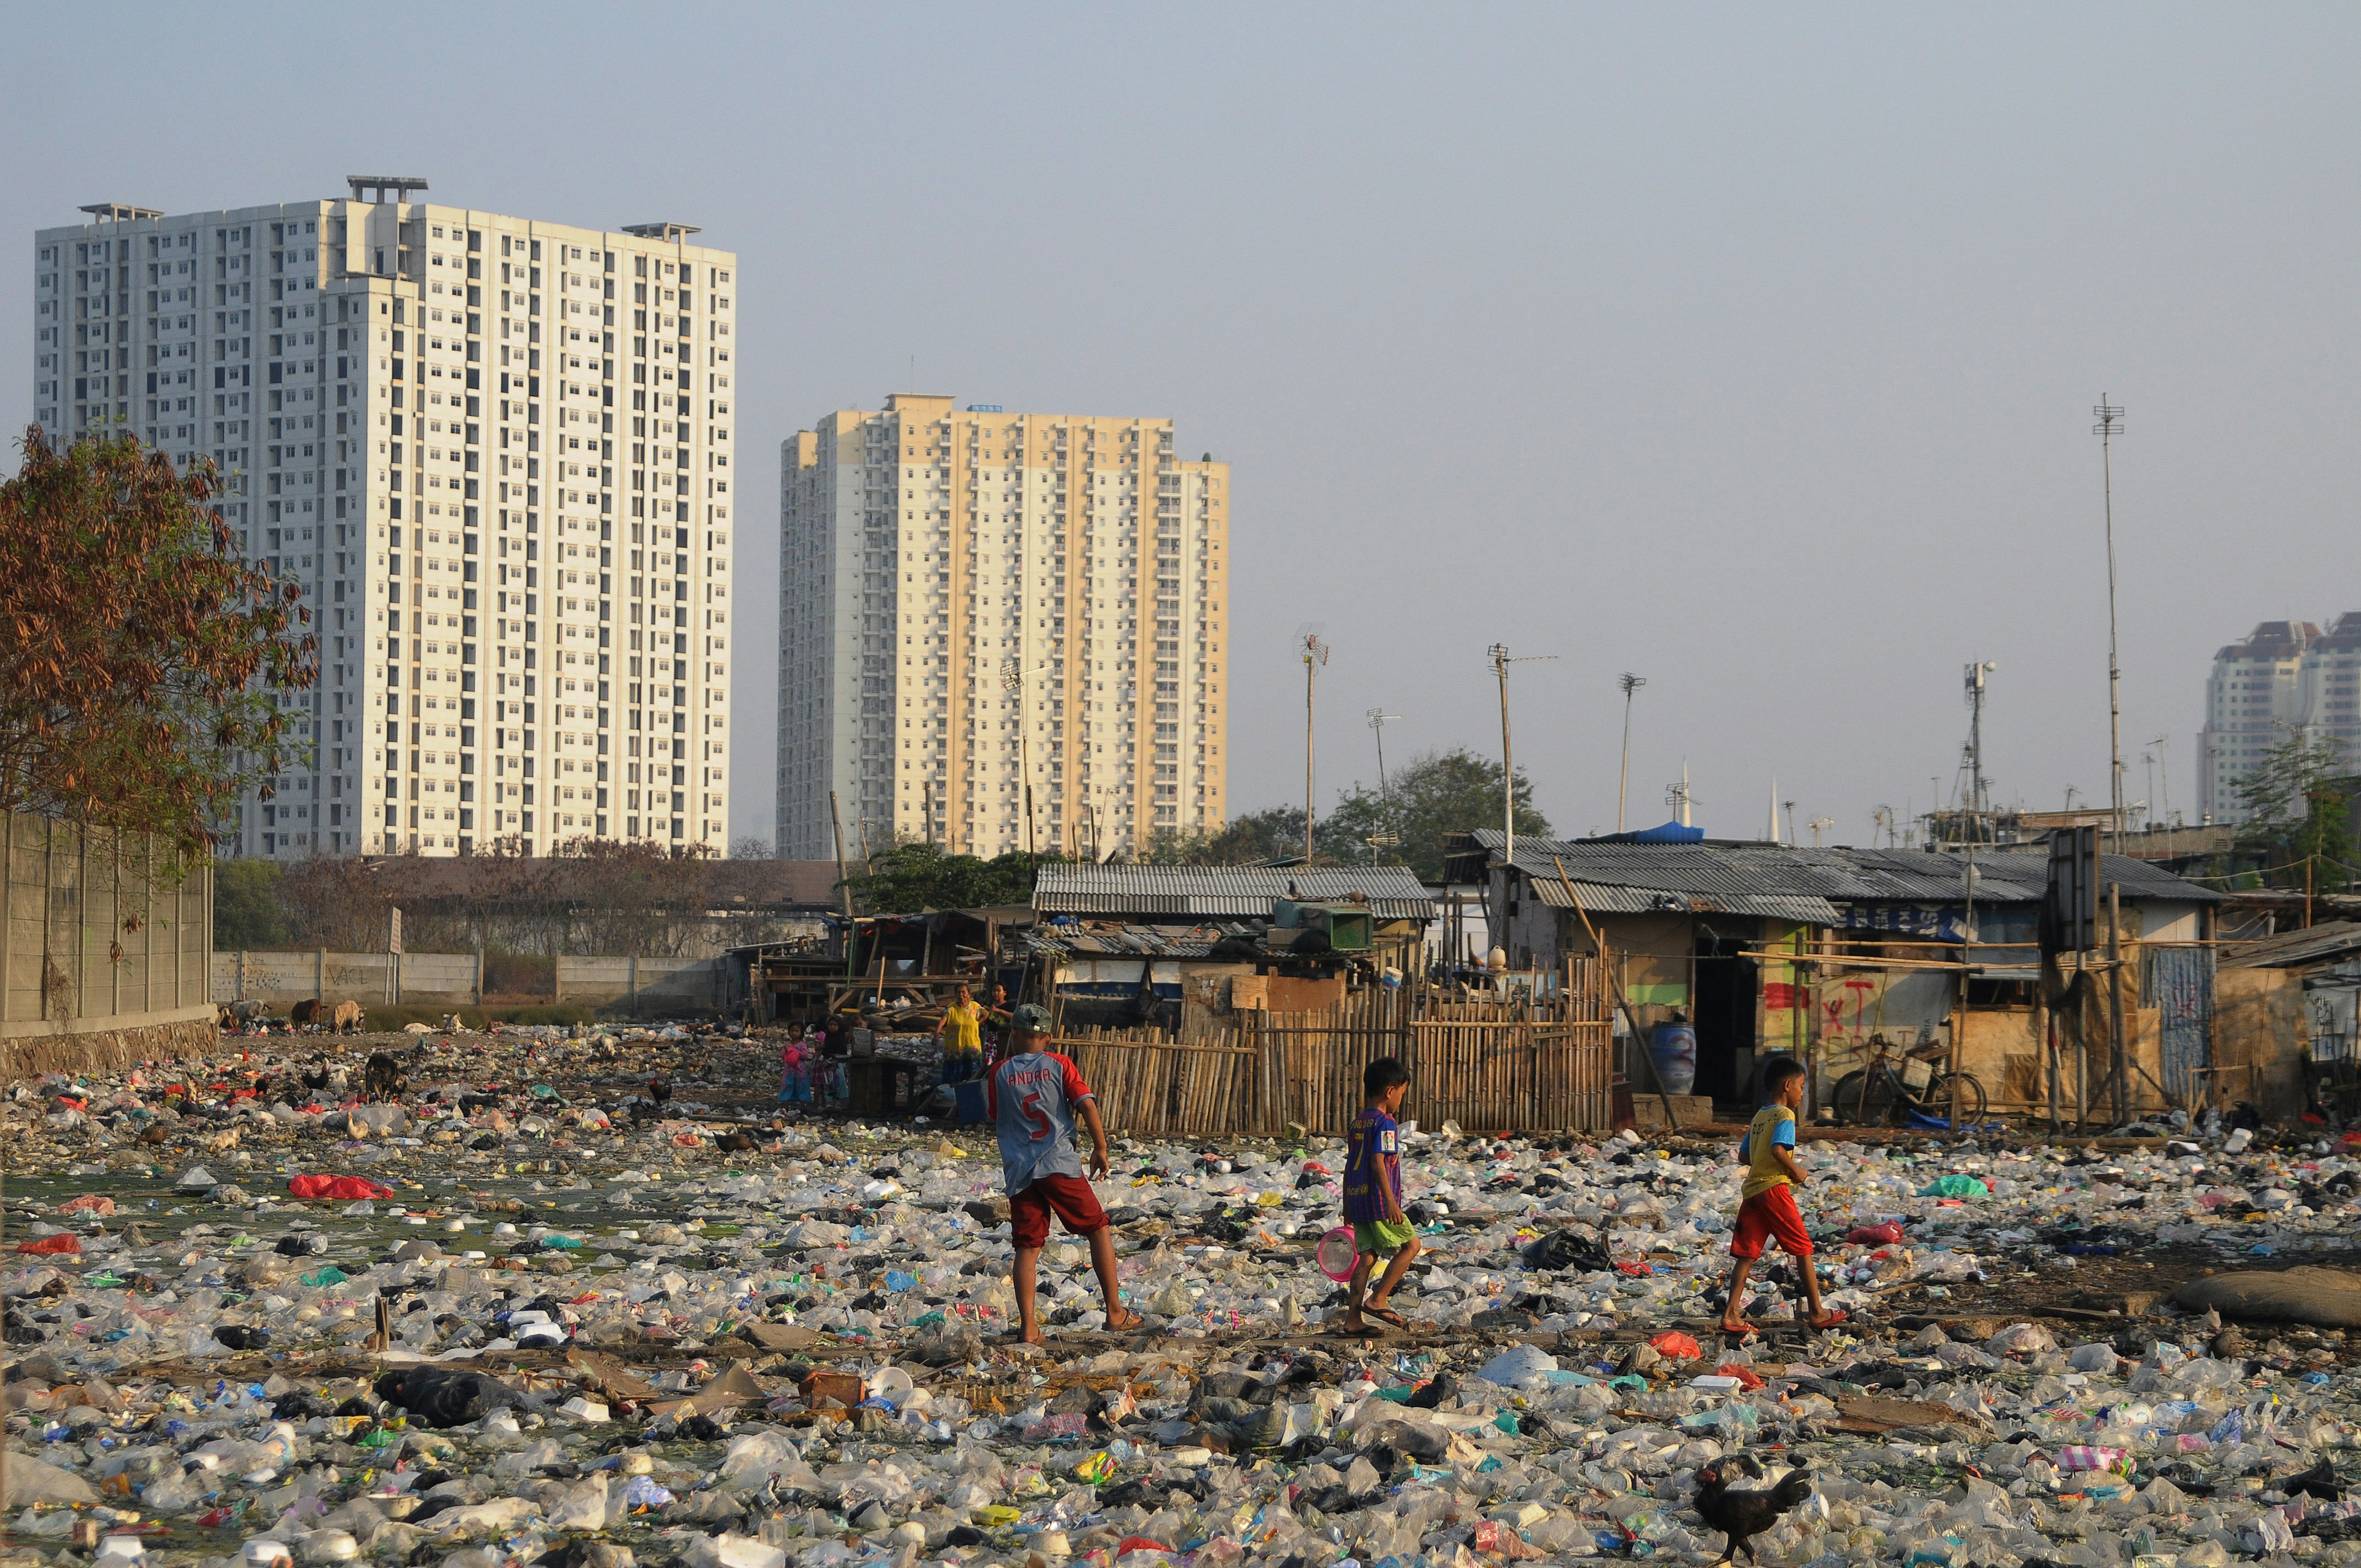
[1272, 835]
[143, 660]
[916, 875]
[1434, 794]
[248, 913]
[2297, 806]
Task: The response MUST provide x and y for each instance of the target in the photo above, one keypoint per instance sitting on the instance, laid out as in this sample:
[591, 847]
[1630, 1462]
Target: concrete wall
[451, 980]
[426, 978]
[103, 948]
[660, 985]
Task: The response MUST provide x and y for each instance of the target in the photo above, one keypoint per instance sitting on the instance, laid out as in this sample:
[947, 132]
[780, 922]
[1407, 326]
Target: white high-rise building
[494, 453]
[999, 632]
[2286, 678]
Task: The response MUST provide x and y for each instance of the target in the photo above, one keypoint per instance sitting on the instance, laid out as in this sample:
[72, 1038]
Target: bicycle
[1870, 1096]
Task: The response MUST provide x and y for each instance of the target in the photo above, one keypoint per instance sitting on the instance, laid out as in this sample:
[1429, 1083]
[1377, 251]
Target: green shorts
[1381, 1239]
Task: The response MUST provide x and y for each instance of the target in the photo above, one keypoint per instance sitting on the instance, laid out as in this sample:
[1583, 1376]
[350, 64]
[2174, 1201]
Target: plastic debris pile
[574, 1299]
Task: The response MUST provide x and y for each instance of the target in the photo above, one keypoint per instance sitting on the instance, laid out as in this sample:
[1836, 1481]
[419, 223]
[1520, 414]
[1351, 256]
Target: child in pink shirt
[795, 1075]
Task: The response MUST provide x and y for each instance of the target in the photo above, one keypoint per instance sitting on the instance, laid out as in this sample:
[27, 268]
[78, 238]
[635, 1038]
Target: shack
[1164, 946]
[2288, 1040]
[1825, 953]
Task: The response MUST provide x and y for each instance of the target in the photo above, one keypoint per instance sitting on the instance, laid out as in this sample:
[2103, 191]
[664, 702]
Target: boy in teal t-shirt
[1767, 1203]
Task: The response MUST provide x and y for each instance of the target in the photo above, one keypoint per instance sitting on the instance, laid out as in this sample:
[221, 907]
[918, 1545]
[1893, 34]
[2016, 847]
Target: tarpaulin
[342, 1188]
[63, 1242]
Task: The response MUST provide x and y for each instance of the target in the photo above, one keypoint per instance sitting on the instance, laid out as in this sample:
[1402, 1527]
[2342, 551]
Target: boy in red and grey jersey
[1035, 1098]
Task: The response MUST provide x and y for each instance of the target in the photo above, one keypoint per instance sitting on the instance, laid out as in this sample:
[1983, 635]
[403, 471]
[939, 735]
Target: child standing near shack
[794, 1072]
[1373, 1197]
[1767, 1203]
[1035, 1098]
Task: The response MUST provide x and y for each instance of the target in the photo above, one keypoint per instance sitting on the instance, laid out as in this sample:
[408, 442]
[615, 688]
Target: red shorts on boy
[1068, 1196]
[1769, 1213]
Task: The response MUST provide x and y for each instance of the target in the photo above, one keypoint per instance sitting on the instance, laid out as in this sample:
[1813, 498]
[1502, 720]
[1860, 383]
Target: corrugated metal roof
[2295, 950]
[1129, 941]
[1738, 879]
[1620, 899]
[1205, 892]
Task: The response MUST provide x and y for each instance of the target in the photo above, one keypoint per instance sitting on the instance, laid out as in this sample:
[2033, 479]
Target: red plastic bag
[1875, 1235]
[1745, 1375]
[63, 1242]
[344, 1189]
[88, 1203]
[1677, 1347]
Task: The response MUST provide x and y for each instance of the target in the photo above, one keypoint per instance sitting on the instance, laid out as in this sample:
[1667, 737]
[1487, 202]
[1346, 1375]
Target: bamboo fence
[1491, 1067]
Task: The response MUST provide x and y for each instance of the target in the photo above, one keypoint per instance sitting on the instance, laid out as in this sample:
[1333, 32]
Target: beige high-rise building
[981, 612]
[494, 454]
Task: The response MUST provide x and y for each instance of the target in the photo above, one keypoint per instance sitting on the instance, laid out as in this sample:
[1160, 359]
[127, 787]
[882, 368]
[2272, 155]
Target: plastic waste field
[590, 1300]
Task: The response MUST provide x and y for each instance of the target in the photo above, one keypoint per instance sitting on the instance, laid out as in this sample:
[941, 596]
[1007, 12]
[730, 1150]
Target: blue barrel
[971, 1099]
[1674, 1046]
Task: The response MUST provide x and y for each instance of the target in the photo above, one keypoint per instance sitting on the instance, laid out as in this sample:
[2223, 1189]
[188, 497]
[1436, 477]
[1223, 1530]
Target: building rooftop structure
[1226, 892]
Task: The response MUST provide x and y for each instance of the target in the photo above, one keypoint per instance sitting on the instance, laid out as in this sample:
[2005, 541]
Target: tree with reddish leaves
[143, 660]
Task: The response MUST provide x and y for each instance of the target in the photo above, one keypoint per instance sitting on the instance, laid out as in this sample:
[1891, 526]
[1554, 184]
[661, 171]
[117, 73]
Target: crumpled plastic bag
[1519, 1367]
[30, 1481]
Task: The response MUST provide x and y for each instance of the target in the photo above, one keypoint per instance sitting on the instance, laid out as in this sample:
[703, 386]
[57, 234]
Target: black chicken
[1741, 1513]
[659, 1090]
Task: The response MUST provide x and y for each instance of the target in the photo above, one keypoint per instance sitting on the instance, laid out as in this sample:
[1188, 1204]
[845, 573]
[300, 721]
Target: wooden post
[2119, 1085]
[844, 881]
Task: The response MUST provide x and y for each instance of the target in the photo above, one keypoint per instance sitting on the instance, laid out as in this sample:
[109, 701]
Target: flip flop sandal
[1385, 1315]
[1837, 1318]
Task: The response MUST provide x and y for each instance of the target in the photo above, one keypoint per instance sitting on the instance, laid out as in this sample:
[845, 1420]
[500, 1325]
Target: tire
[1938, 1100]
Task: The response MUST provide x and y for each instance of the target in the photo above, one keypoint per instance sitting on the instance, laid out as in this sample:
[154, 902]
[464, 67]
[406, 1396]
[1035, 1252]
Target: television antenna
[1378, 719]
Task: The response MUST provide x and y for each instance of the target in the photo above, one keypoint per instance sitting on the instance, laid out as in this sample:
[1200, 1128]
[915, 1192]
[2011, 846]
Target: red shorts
[1068, 1197]
[1767, 1214]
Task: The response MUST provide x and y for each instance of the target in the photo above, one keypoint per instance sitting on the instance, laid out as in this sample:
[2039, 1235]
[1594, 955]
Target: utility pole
[2164, 760]
[2110, 425]
[1499, 654]
[1629, 683]
[1315, 653]
[1378, 719]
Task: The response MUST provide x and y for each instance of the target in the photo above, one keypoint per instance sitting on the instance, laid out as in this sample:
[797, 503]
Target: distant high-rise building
[983, 613]
[2286, 677]
[494, 452]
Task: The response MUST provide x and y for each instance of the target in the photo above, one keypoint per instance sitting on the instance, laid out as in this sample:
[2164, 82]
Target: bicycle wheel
[1937, 1101]
[1865, 1099]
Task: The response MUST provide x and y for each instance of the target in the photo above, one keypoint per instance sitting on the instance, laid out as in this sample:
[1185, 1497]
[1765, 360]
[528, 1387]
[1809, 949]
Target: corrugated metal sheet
[1129, 941]
[1204, 893]
[1722, 874]
[1620, 899]
[2296, 949]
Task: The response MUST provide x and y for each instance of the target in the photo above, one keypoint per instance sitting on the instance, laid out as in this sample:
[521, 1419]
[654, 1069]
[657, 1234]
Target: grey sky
[1750, 348]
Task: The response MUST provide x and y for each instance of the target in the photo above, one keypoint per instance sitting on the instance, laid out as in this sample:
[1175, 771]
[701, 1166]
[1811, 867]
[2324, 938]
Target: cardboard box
[827, 1383]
